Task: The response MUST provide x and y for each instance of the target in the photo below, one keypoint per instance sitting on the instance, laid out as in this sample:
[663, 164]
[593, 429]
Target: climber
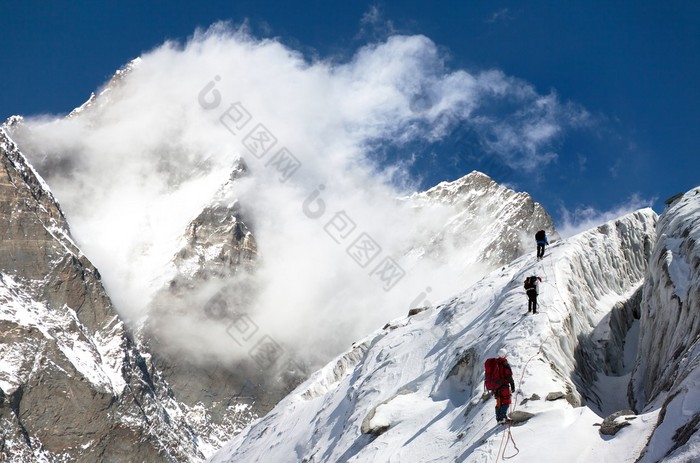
[499, 380]
[532, 289]
[542, 241]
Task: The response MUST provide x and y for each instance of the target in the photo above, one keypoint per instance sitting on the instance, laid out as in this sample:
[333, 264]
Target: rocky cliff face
[497, 223]
[667, 373]
[73, 385]
[208, 287]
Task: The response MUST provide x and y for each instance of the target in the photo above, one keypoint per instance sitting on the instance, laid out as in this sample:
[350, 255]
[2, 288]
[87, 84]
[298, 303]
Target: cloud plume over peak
[133, 167]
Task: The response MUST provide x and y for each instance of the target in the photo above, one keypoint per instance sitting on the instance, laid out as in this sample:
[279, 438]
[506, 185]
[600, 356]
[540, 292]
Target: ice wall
[666, 374]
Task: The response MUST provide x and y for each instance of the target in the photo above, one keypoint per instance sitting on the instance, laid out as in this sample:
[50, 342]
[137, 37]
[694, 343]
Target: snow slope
[412, 391]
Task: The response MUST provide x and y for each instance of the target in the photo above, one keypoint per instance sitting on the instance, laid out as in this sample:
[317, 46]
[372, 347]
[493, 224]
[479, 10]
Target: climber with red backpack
[499, 380]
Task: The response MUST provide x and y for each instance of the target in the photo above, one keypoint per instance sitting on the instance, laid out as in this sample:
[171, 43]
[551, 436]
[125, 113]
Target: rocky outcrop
[612, 424]
[210, 292]
[517, 416]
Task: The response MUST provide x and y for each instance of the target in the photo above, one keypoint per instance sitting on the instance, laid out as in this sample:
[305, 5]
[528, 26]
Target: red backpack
[495, 374]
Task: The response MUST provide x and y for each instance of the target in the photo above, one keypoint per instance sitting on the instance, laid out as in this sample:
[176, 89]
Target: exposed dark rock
[555, 396]
[612, 424]
[416, 311]
[685, 432]
[519, 416]
[219, 254]
[532, 397]
[376, 430]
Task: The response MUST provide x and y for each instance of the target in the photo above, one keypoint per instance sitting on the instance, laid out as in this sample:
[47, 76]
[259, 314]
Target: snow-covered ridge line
[38, 187]
[103, 97]
[422, 379]
[57, 225]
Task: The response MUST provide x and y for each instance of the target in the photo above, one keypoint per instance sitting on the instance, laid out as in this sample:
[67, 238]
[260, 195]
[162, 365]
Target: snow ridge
[416, 393]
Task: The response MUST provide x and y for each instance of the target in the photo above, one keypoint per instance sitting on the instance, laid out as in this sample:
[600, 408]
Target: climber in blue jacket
[541, 238]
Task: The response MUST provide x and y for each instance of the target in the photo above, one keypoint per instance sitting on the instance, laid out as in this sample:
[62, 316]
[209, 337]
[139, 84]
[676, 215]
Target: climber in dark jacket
[532, 289]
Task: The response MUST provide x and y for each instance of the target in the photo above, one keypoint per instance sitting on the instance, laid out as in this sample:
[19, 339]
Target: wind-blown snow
[418, 382]
[134, 165]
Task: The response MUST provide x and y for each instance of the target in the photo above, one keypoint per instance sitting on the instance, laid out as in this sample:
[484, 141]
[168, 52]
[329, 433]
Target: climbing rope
[508, 435]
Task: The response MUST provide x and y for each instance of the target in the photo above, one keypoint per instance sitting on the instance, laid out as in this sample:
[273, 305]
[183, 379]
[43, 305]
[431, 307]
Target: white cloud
[373, 24]
[525, 128]
[502, 14]
[586, 217]
[133, 170]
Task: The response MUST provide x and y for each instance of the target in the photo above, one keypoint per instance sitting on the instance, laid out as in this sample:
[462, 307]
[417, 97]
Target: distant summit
[498, 223]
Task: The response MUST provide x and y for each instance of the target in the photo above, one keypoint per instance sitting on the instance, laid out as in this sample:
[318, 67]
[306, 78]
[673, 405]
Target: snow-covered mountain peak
[495, 223]
[470, 187]
[474, 180]
[104, 95]
[13, 121]
[31, 179]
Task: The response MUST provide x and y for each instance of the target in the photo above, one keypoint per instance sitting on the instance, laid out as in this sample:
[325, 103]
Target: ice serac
[667, 373]
[73, 386]
[412, 391]
[498, 223]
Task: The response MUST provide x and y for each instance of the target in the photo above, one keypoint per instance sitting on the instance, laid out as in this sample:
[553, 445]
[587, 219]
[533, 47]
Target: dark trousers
[501, 407]
[540, 250]
[502, 412]
[532, 301]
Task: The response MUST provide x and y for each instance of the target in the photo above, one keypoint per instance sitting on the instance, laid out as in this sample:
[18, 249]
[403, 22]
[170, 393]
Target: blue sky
[631, 67]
